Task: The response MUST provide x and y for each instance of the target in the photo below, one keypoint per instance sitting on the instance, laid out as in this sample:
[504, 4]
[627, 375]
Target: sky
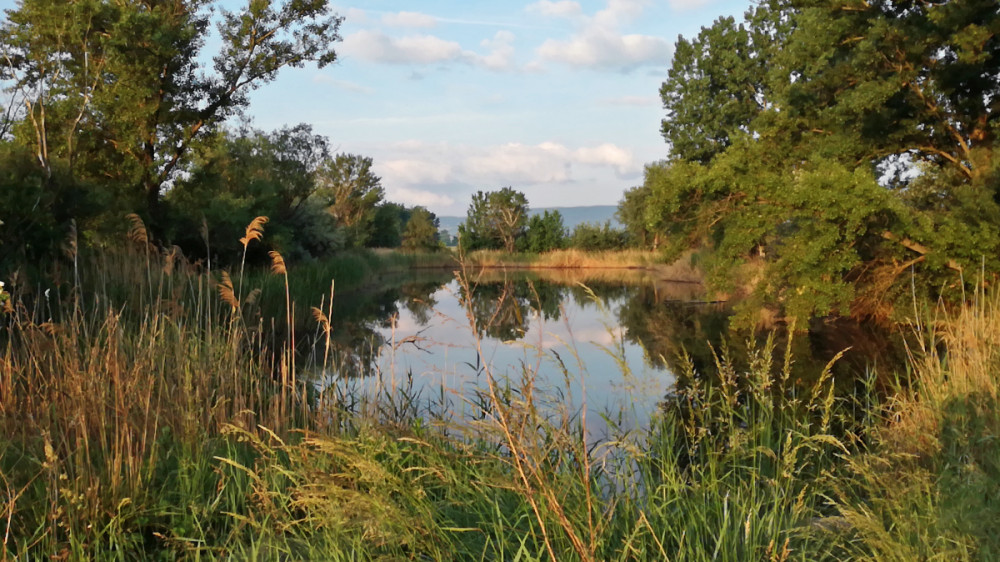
[555, 98]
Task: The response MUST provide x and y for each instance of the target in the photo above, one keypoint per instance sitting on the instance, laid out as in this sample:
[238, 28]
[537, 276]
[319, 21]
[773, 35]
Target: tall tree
[717, 84]
[351, 193]
[387, 225]
[495, 219]
[118, 90]
[866, 151]
[421, 232]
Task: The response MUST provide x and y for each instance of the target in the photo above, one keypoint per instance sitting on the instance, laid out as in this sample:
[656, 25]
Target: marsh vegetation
[149, 412]
[221, 342]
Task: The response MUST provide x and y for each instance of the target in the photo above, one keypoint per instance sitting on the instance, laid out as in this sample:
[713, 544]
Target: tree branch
[918, 248]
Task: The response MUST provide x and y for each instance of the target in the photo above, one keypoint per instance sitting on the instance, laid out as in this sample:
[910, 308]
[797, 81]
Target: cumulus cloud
[607, 154]
[408, 196]
[500, 51]
[409, 19]
[560, 8]
[432, 167]
[520, 163]
[376, 46]
[418, 171]
[600, 43]
[355, 16]
[604, 49]
[619, 12]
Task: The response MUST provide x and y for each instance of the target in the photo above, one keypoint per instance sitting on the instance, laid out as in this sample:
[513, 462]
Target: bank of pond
[419, 409]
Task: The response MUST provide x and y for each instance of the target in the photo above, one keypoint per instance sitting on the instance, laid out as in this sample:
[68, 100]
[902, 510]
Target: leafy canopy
[118, 92]
[824, 151]
[495, 220]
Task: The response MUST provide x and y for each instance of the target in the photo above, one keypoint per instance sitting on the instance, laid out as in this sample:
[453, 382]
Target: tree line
[500, 220]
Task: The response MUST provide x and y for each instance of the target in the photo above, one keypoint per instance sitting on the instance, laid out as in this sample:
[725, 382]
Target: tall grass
[930, 486]
[150, 410]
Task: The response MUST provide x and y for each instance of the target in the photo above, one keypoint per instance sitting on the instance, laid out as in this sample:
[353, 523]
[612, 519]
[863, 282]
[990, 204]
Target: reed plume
[137, 233]
[252, 297]
[278, 268]
[321, 319]
[254, 231]
[226, 291]
[277, 263]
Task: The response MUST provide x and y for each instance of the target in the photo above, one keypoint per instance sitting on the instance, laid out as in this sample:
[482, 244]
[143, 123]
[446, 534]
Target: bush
[597, 238]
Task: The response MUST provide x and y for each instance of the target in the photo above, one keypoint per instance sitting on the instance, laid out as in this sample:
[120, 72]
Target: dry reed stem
[526, 462]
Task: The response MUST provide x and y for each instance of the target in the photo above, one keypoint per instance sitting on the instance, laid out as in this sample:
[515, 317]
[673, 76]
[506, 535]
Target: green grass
[141, 417]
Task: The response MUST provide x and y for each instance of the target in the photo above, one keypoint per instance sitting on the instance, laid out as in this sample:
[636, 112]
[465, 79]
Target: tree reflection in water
[663, 318]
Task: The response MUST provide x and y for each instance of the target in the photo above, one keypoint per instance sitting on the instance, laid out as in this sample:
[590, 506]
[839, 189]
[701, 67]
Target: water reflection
[611, 339]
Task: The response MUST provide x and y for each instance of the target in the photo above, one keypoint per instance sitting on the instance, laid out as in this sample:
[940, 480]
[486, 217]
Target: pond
[608, 343]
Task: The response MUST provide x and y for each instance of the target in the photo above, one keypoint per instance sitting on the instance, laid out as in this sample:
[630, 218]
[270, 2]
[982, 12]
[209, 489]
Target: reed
[927, 486]
[151, 410]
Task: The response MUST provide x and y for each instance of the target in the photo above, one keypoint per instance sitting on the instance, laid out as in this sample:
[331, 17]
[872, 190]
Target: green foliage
[597, 238]
[36, 210]
[421, 234]
[545, 232]
[717, 85]
[495, 220]
[833, 150]
[253, 173]
[118, 91]
[643, 231]
[387, 225]
[351, 193]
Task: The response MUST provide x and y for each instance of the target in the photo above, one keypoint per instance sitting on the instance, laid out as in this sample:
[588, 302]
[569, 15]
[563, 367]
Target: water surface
[613, 342]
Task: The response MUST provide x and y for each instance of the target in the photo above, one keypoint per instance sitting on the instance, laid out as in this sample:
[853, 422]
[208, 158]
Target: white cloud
[560, 8]
[409, 19]
[415, 167]
[408, 196]
[500, 51]
[686, 5]
[619, 12]
[355, 16]
[417, 171]
[376, 46]
[600, 43]
[515, 163]
[600, 48]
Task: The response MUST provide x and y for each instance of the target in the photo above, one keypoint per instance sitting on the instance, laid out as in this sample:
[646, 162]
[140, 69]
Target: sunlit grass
[144, 414]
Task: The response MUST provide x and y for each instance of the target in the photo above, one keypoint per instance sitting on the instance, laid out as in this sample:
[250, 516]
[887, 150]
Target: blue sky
[556, 98]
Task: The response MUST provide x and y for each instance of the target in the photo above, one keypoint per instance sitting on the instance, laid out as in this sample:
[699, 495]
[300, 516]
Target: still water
[601, 342]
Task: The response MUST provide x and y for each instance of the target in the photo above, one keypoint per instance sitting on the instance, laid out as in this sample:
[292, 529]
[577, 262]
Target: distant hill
[572, 216]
